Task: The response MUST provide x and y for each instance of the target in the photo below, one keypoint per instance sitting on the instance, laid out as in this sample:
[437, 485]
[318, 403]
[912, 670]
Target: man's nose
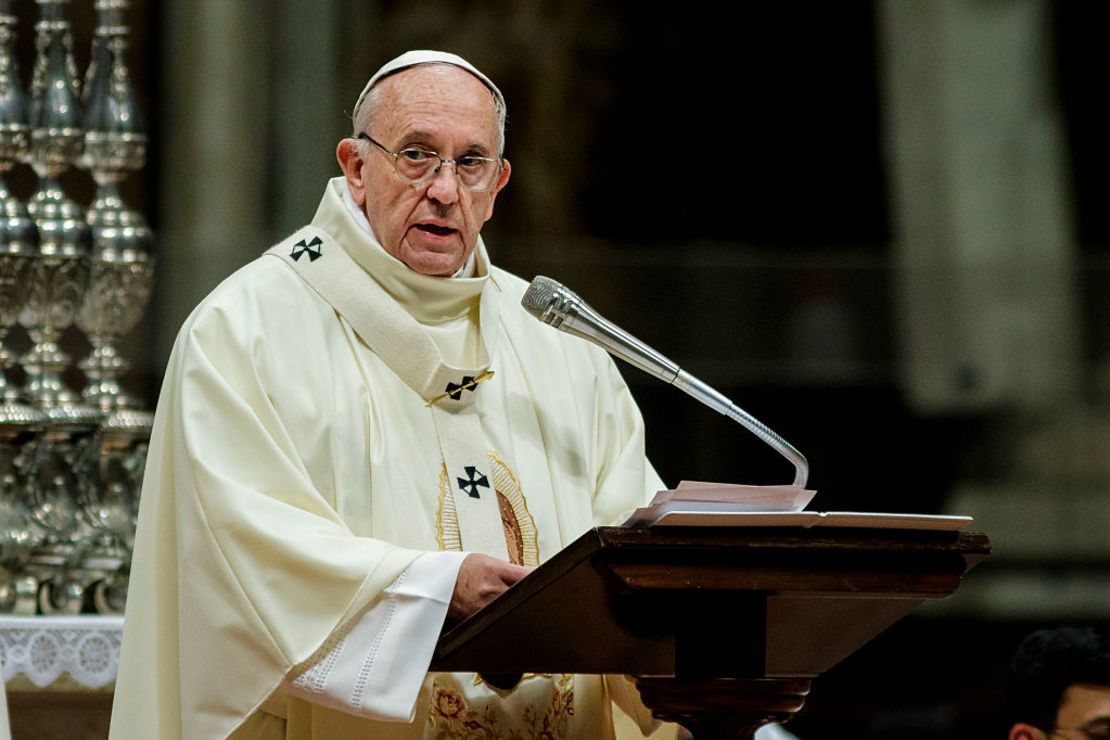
[445, 184]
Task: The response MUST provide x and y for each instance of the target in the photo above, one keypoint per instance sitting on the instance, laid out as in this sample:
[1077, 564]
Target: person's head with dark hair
[1060, 685]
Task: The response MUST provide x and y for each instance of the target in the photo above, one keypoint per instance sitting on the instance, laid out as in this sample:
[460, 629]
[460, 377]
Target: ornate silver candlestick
[62, 267]
[122, 275]
[18, 235]
[115, 146]
[68, 469]
[20, 425]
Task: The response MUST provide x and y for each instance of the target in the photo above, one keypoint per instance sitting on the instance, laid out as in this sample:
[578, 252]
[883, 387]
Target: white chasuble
[303, 459]
[448, 391]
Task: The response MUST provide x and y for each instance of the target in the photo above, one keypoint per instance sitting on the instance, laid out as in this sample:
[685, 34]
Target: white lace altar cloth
[43, 649]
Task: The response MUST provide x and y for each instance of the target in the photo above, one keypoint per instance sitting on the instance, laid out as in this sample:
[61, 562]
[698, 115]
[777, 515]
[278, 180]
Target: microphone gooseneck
[556, 305]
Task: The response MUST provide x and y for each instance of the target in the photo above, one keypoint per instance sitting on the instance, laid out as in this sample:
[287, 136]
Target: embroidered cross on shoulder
[468, 383]
[455, 391]
[307, 246]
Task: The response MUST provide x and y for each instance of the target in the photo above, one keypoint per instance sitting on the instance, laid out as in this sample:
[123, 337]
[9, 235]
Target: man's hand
[481, 580]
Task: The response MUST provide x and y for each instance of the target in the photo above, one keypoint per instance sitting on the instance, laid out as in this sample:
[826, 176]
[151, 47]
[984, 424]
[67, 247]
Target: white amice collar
[431, 300]
[357, 213]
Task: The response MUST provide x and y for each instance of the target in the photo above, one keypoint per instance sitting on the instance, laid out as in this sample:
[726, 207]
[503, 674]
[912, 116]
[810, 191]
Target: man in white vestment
[361, 434]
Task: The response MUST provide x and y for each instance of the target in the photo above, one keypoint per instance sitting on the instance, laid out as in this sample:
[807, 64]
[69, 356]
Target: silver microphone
[555, 304]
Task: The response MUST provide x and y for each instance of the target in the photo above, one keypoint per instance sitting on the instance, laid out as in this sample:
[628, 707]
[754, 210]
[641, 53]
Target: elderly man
[1060, 686]
[360, 435]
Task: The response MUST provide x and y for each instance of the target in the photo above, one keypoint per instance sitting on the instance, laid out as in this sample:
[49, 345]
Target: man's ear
[349, 154]
[1022, 731]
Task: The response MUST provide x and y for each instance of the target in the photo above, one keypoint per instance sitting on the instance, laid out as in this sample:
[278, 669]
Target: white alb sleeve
[376, 668]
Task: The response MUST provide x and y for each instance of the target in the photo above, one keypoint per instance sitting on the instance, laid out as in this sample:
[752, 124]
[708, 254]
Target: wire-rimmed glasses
[415, 165]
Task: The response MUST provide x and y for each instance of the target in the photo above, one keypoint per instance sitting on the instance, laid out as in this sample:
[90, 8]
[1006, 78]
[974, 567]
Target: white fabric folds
[359, 674]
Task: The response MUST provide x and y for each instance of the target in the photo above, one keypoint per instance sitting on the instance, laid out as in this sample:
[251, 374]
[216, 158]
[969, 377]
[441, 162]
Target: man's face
[431, 226]
[1084, 712]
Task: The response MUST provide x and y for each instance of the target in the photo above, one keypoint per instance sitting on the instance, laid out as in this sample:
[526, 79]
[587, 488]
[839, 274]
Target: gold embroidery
[521, 535]
[508, 486]
[509, 524]
[493, 717]
[448, 536]
[447, 703]
[553, 722]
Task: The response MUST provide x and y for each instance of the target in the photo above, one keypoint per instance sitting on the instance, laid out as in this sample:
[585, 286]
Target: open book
[698, 504]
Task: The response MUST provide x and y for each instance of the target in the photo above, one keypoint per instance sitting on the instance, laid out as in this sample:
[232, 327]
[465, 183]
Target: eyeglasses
[415, 165]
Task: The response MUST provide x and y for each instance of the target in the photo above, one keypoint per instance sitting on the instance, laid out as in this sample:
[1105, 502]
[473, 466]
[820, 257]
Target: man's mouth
[437, 230]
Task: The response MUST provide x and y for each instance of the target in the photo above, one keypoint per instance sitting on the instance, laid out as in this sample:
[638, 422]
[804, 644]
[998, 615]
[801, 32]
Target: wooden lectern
[723, 627]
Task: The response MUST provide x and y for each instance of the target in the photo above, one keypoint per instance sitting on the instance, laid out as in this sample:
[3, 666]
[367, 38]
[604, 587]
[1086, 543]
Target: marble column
[985, 255]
